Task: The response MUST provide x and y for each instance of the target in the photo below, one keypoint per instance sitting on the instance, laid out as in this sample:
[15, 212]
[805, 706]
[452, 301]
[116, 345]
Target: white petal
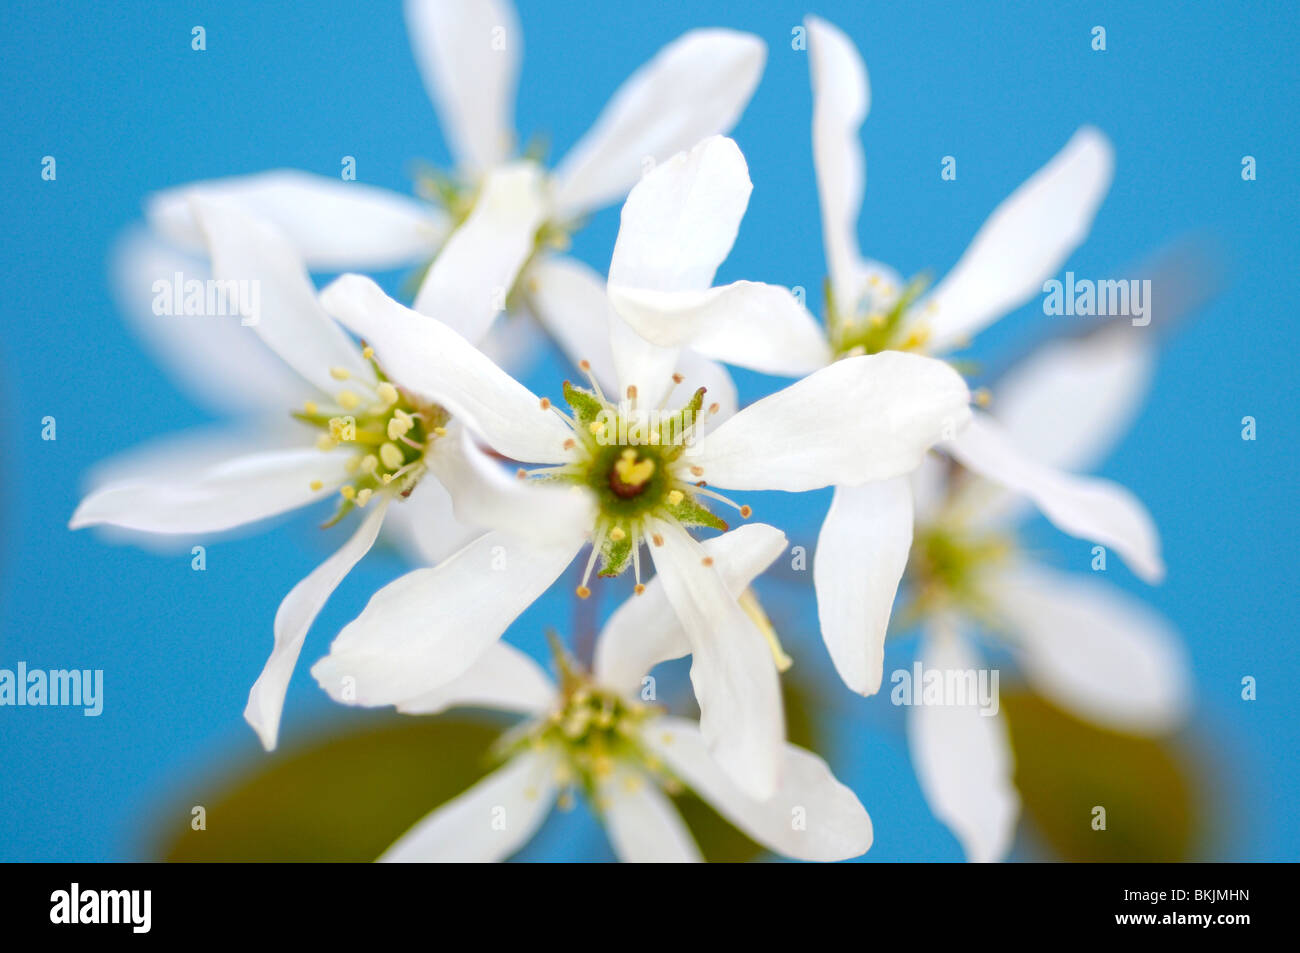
[568, 298]
[841, 99]
[696, 86]
[287, 316]
[645, 630]
[638, 363]
[468, 52]
[811, 816]
[1026, 240]
[424, 524]
[487, 823]
[642, 823]
[732, 669]
[861, 553]
[334, 225]
[1095, 650]
[1087, 507]
[963, 758]
[680, 221]
[503, 678]
[483, 494]
[233, 492]
[1073, 399]
[426, 356]
[213, 358]
[860, 419]
[468, 283]
[294, 619]
[428, 627]
[747, 323]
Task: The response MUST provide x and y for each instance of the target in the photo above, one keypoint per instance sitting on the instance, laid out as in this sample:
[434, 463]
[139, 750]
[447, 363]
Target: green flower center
[878, 321]
[386, 431]
[946, 568]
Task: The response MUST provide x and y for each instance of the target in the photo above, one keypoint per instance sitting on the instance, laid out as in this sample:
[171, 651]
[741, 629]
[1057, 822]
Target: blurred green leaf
[1065, 767]
[343, 797]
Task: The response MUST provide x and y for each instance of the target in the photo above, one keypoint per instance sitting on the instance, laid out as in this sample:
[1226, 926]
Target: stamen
[391, 456]
[349, 400]
[363, 497]
[745, 511]
[325, 443]
[340, 373]
[596, 545]
[311, 408]
[348, 491]
[316, 485]
[585, 367]
[675, 497]
[387, 393]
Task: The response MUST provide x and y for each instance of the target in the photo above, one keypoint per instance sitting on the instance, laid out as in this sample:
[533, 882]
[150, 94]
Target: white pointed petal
[963, 758]
[294, 619]
[861, 553]
[489, 822]
[1073, 399]
[860, 419]
[732, 670]
[645, 630]
[841, 99]
[212, 358]
[811, 816]
[468, 52]
[424, 525]
[467, 285]
[483, 494]
[1095, 650]
[568, 298]
[696, 86]
[287, 316]
[426, 356]
[428, 627]
[1026, 240]
[334, 225]
[747, 323]
[1087, 507]
[503, 678]
[638, 363]
[642, 823]
[680, 221]
[219, 496]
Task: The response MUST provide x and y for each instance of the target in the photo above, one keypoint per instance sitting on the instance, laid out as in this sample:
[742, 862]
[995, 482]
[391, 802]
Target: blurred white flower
[485, 224]
[361, 435]
[596, 735]
[862, 419]
[1088, 647]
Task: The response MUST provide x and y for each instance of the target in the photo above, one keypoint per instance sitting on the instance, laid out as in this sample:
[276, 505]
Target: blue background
[115, 93]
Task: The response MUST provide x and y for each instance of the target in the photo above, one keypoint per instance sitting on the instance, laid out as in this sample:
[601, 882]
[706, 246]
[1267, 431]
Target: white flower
[362, 436]
[499, 212]
[1086, 646]
[595, 735]
[647, 471]
[865, 538]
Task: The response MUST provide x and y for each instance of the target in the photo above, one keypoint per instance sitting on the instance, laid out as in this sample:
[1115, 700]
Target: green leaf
[1066, 767]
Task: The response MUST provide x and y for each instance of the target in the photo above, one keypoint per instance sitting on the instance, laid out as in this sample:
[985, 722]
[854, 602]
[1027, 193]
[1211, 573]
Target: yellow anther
[369, 463]
[387, 393]
[391, 456]
[348, 491]
[349, 400]
[597, 427]
[583, 592]
[340, 373]
[325, 442]
[341, 429]
[310, 408]
[397, 427]
[363, 496]
[387, 478]
[639, 588]
[982, 396]
[707, 561]
[316, 485]
[545, 403]
[368, 353]
[617, 534]
[352, 464]
[440, 431]
[675, 497]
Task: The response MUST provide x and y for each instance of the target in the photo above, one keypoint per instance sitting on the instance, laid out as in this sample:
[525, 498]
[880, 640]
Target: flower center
[631, 459]
[386, 431]
[946, 568]
[878, 321]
